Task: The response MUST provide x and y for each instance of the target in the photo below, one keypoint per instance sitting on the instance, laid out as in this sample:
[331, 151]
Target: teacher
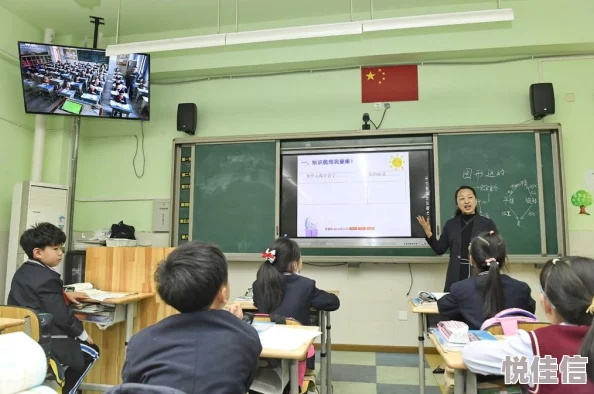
[457, 234]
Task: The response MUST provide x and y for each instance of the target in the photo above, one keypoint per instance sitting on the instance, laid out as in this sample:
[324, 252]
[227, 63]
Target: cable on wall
[136, 153]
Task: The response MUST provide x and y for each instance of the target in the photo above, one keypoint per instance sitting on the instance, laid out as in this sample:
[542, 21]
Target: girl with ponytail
[280, 290]
[487, 292]
[567, 296]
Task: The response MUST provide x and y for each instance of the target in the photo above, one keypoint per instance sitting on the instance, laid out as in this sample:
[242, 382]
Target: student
[120, 98]
[45, 79]
[280, 290]
[37, 286]
[488, 292]
[93, 90]
[204, 349]
[567, 296]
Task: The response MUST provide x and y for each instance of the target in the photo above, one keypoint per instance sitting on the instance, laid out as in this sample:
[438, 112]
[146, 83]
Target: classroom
[247, 97]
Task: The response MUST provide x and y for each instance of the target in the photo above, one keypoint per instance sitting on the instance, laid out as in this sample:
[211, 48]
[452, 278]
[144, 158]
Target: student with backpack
[488, 292]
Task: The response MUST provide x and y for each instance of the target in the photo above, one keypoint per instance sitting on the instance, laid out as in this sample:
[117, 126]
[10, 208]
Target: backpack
[509, 319]
[122, 230]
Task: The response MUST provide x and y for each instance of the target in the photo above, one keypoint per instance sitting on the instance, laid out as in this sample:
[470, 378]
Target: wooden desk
[422, 311]
[124, 269]
[6, 322]
[325, 342]
[130, 303]
[294, 356]
[464, 380]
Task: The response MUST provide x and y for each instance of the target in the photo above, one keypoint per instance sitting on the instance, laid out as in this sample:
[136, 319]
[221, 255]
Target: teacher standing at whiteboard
[457, 234]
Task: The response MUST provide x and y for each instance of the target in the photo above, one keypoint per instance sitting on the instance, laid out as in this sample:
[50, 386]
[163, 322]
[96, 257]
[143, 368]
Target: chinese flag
[392, 83]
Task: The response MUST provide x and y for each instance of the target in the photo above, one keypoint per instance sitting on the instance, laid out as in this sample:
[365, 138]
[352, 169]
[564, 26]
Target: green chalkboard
[233, 192]
[234, 195]
[502, 168]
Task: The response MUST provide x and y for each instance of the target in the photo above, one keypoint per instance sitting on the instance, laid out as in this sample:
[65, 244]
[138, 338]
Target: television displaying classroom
[262, 197]
[77, 81]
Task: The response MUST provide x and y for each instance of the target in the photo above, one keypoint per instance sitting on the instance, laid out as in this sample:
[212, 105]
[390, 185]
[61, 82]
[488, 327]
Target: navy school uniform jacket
[299, 295]
[465, 301]
[451, 238]
[204, 352]
[40, 288]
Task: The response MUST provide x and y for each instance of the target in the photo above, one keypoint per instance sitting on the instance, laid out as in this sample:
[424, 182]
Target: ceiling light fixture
[295, 33]
[435, 20]
[313, 31]
[173, 44]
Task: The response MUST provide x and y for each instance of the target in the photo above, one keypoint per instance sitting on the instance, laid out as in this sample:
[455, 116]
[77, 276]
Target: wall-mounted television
[64, 80]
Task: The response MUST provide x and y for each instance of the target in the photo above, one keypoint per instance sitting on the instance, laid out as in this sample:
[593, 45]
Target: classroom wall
[16, 128]
[450, 95]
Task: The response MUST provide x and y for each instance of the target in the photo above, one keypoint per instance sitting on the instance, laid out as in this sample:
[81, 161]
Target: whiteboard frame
[558, 170]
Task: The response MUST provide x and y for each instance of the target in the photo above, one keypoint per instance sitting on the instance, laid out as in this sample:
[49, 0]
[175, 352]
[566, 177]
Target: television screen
[61, 80]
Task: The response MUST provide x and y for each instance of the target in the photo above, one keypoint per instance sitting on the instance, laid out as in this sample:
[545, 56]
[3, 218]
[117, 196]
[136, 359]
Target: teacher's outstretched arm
[439, 246]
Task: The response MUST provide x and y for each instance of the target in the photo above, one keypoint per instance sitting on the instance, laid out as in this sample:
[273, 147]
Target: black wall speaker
[187, 117]
[542, 100]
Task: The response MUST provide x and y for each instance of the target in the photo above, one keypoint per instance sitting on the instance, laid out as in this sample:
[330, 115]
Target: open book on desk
[426, 297]
[96, 294]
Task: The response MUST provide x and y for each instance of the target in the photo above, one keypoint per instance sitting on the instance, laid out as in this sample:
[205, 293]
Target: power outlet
[403, 315]
[378, 106]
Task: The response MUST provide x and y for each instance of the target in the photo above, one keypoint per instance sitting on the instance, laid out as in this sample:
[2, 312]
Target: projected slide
[363, 194]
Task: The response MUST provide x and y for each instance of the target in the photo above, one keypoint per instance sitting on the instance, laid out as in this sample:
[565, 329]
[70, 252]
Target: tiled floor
[382, 373]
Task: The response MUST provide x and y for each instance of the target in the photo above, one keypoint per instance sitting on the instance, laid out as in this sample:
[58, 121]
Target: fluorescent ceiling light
[312, 31]
[457, 18]
[173, 44]
[294, 33]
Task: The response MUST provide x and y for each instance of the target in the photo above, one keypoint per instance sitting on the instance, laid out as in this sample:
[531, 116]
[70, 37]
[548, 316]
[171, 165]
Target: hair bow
[491, 260]
[269, 255]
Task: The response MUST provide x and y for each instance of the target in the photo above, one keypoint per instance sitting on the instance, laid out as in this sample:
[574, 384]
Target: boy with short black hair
[204, 349]
[37, 286]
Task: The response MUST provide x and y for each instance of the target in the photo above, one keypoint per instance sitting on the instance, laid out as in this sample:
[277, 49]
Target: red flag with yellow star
[392, 83]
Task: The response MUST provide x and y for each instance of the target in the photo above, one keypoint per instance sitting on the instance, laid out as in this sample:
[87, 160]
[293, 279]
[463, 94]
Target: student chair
[37, 327]
[31, 320]
[496, 328]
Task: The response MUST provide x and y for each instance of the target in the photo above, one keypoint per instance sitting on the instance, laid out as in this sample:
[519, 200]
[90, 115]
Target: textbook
[427, 297]
[271, 380]
[473, 335]
[95, 294]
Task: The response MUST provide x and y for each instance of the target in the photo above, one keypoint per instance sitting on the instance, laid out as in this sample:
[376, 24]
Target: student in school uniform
[37, 286]
[120, 98]
[488, 292]
[204, 349]
[567, 296]
[279, 288]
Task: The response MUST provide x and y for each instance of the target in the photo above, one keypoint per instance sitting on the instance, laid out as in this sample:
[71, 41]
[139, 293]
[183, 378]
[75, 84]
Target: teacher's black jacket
[451, 238]
[38, 287]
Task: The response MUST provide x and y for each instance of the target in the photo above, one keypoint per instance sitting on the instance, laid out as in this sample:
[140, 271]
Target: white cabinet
[32, 202]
